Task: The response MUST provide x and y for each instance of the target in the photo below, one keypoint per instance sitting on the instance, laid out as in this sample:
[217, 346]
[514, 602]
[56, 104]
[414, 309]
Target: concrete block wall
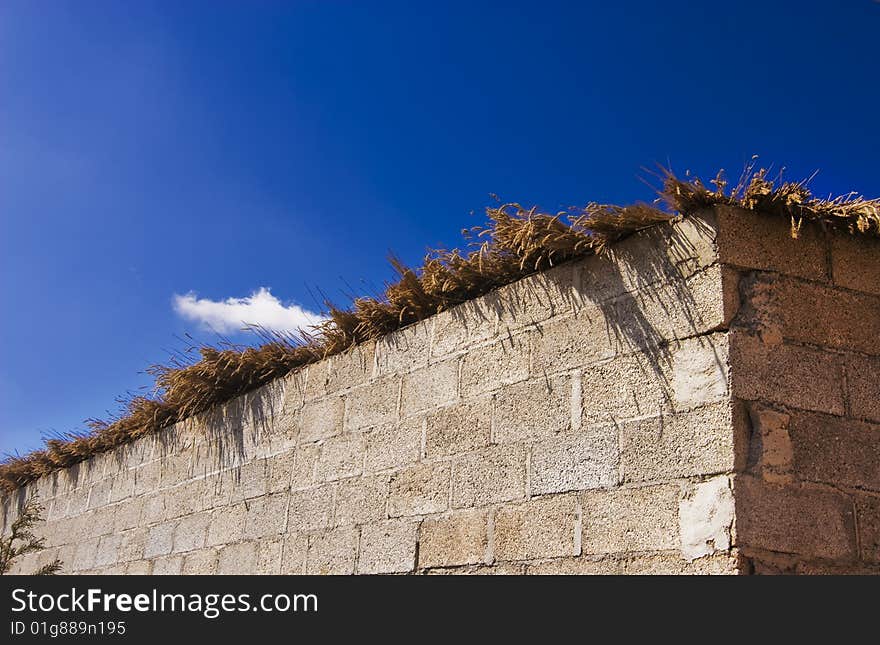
[663, 409]
[805, 368]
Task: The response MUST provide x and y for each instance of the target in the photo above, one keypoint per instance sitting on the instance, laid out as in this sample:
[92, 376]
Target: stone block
[393, 445]
[60, 507]
[868, 514]
[458, 428]
[679, 309]
[305, 464]
[812, 314]
[23, 565]
[175, 468]
[316, 380]
[489, 367]
[540, 528]
[279, 471]
[700, 442]
[293, 556]
[99, 495]
[863, 386]
[186, 499]
[190, 532]
[139, 568]
[537, 298]
[135, 454]
[629, 386]
[311, 509]
[770, 448]
[269, 556]
[128, 514]
[237, 559]
[496, 474]
[705, 518]
[755, 241]
[97, 523]
[471, 322]
[251, 479]
[84, 555]
[854, 262]
[132, 545]
[265, 516]
[333, 553]
[388, 547]
[321, 419]
[404, 350]
[123, 486]
[419, 490]
[835, 451]
[353, 367]
[699, 371]
[160, 539]
[795, 376]
[200, 563]
[453, 540]
[373, 404]
[66, 553]
[280, 435]
[576, 566]
[731, 297]
[429, 387]
[341, 371]
[341, 456]
[292, 392]
[574, 342]
[361, 500]
[147, 478]
[45, 557]
[575, 462]
[533, 409]
[95, 470]
[804, 520]
[671, 564]
[227, 525]
[108, 550]
[631, 519]
[170, 565]
[216, 491]
[647, 258]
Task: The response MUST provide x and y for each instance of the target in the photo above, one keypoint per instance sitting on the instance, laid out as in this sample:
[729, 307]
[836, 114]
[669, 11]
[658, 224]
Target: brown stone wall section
[805, 365]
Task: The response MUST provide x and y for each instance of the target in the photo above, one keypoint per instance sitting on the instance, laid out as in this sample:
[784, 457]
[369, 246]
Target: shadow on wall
[643, 289]
[233, 433]
[649, 291]
[665, 271]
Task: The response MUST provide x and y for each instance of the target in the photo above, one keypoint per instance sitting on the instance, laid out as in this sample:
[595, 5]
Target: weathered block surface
[803, 520]
[540, 528]
[631, 519]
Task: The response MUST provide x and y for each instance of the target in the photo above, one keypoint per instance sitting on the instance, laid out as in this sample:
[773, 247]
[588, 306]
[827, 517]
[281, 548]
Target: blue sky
[214, 150]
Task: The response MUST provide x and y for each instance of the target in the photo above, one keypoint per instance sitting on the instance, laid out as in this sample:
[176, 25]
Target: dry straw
[514, 243]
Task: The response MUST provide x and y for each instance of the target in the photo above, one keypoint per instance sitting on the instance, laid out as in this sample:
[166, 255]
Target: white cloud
[231, 315]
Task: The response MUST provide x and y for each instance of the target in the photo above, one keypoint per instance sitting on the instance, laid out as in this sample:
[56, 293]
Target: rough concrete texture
[701, 400]
[705, 517]
[803, 362]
